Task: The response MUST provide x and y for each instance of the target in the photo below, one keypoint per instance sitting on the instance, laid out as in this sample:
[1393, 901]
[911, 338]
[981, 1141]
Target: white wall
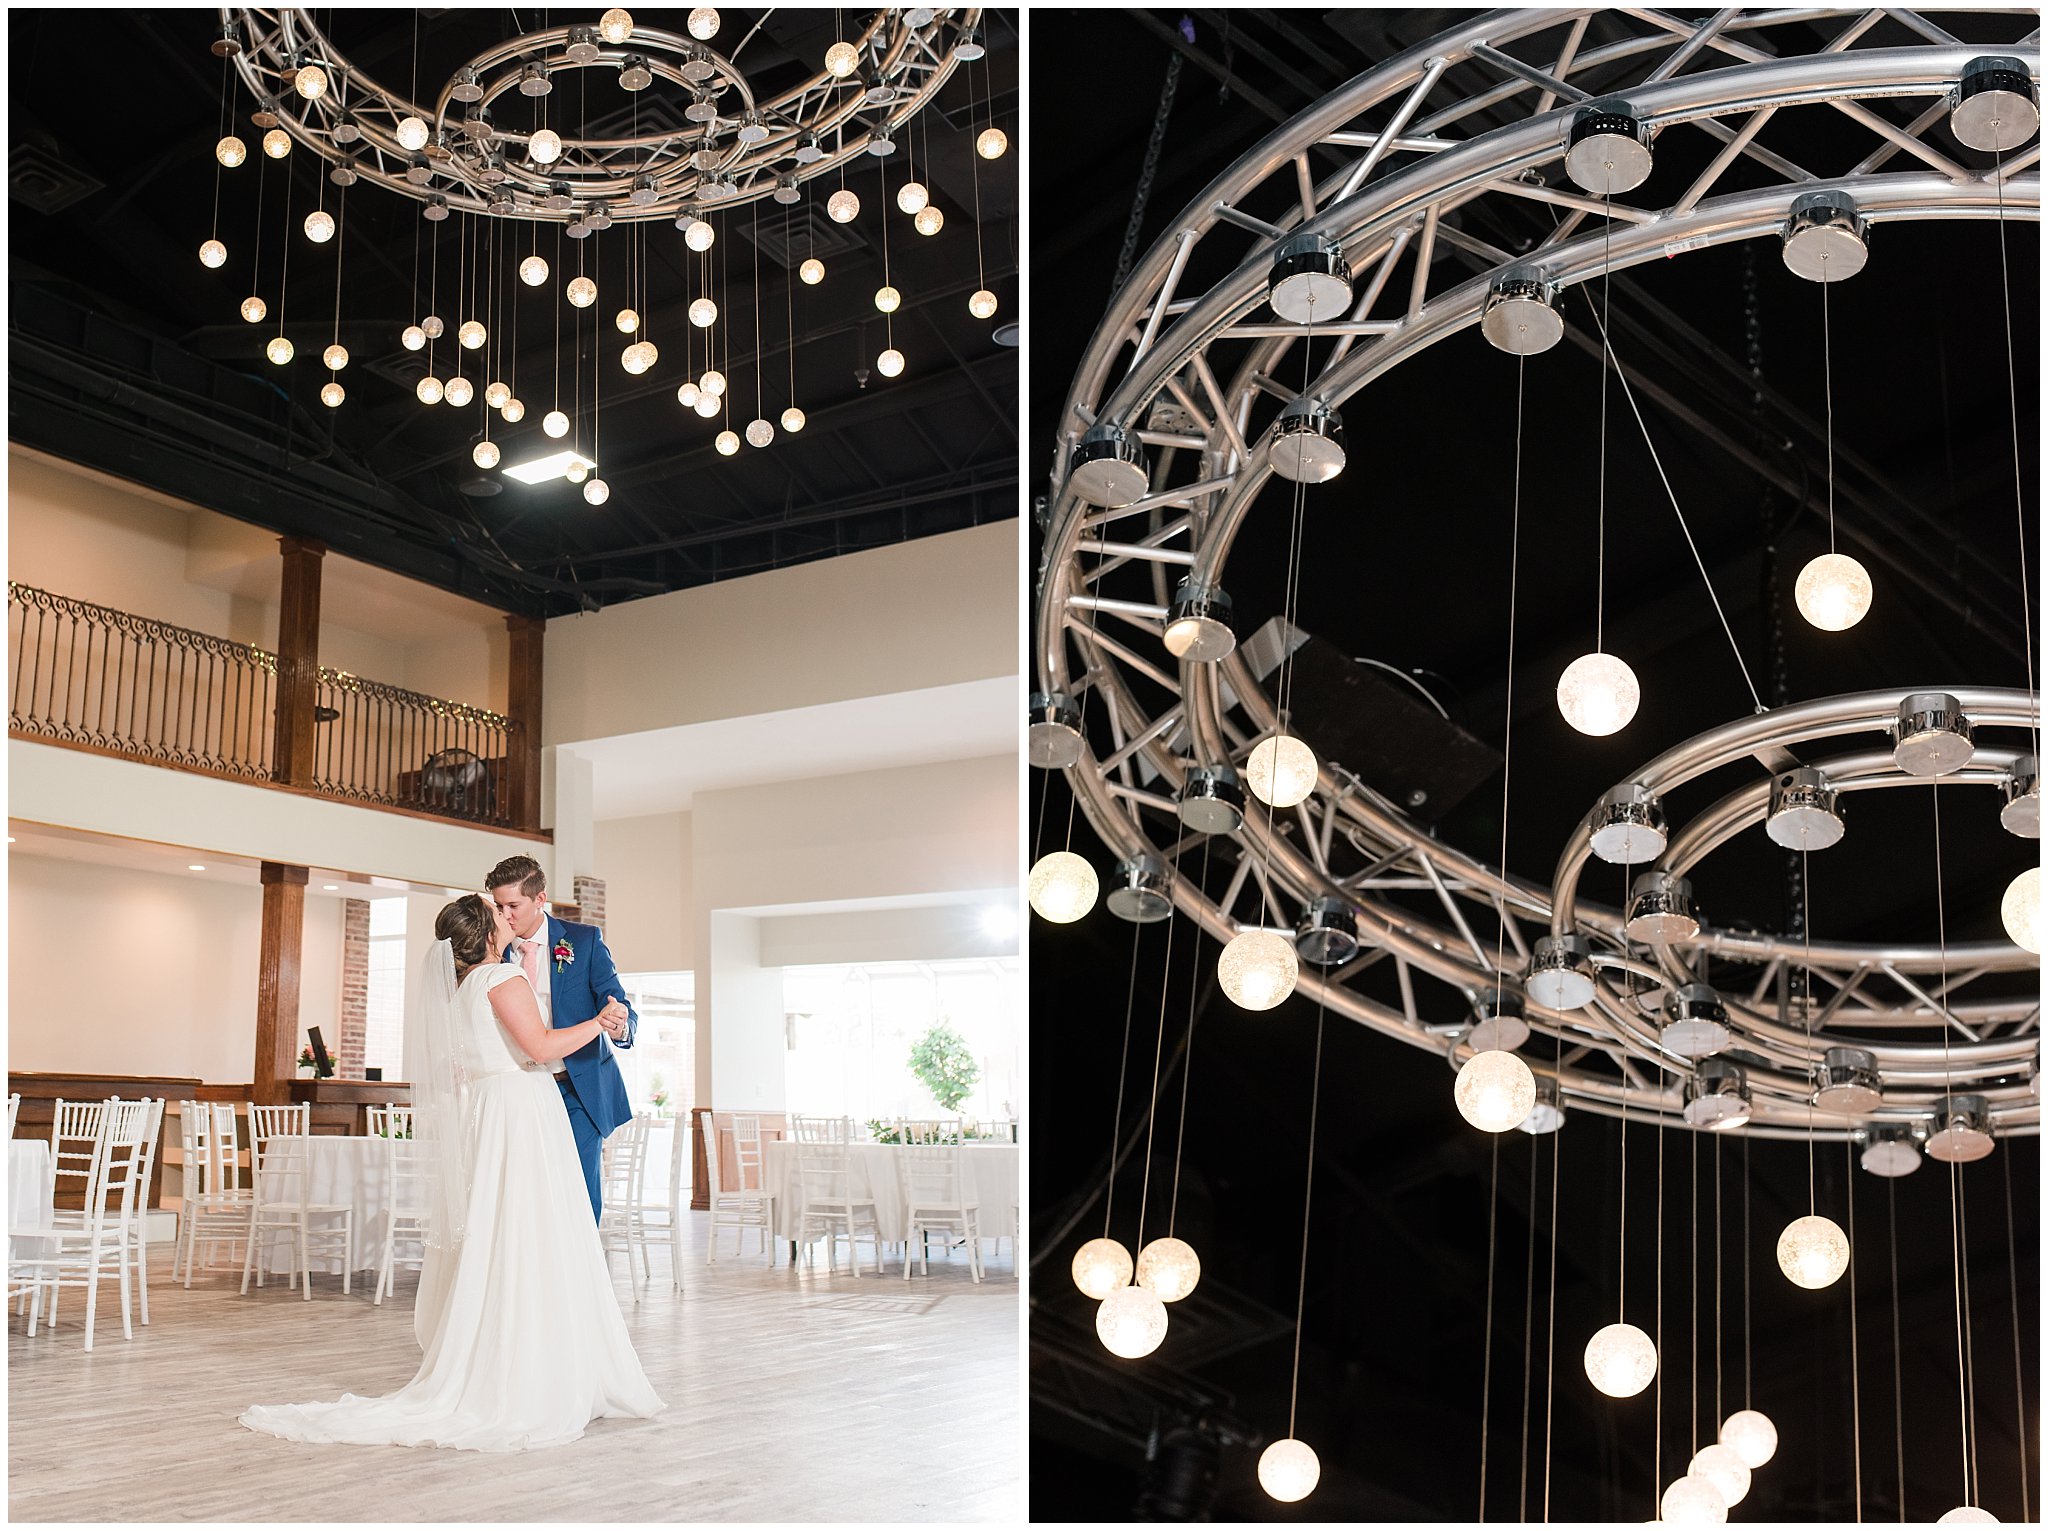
[932, 612]
[935, 934]
[66, 788]
[749, 1044]
[119, 971]
[646, 865]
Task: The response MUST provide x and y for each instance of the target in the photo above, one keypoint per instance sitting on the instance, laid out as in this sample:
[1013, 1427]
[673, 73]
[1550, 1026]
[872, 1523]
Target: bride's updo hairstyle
[466, 926]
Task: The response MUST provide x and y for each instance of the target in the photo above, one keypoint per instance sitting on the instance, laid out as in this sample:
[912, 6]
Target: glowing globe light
[576, 473]
[703, 313]
[841, 59]
[1693, 1501]
[485, 454]
[843, 206]
[545, 146]
[890, 363]
[759, 433]
[700, 236]
[533, 270]
[1813, 1252]
[1597, 694]
[433, 326]
[644, 354]
[1258, 969]
[929, 219]
[1289, 1471]
[1968, 1515]
[911, 196]
[688, 394]
[310, 82]
[616, 25]
[319, 227]
[888, 299]
[231, 151]
[332, 394]
[1495, 1091]
[1169, 1268]
[514, 411]
[1281, 771]
[414, 337]
[707, 403]
[1100, 1267]
[1620, 1360]
[703, 23]
[1833, 592]
[627, 320]
[1724, 1468]
[213, 255]
[582, 292]
[728, 442]
[1131, 1322]
[555, 423]
[792, 419]
[2021, 909]
[277, 143]
[1750, 1434]
[812, 271]
[472, 334]
[335, 356]
[412, 134]
[597, 491]
[1062, 885]
[982, 305]
[278, 349]
[992, 144]
[712, 382]
[253, 309]
[497, 395]
[460, 390]
[429, 390]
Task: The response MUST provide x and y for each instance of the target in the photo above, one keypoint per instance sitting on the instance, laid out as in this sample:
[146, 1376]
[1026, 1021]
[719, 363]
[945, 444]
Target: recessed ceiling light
[330, 887]
[195, 868]
[999, 922]
[555, 465]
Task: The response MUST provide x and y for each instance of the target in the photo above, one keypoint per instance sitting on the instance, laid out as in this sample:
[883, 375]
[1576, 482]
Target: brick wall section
[589, 895]
[355, 986]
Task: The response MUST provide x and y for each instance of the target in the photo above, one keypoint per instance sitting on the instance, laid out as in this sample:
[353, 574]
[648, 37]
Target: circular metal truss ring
[1171, 368]
[599, 172]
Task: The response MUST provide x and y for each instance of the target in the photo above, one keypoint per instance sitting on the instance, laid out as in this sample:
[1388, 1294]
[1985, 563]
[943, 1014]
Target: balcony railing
[91, 676]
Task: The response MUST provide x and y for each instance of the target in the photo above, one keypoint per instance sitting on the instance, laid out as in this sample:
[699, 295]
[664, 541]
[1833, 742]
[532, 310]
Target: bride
[524, 1343]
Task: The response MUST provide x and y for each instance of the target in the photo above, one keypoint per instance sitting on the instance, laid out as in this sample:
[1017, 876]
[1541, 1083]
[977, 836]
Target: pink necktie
[529, 955]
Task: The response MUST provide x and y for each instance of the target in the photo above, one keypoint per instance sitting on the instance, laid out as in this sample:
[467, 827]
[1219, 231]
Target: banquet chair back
[821, 1129]
[930, 1130]
[933, 1180]
[623, 1224]
[406, 1213]
[390, 1121]
[746, 1152]
[284, 1204]
[224, 1171]
[81, 1255]
[267, 1122]
[828, 1207]
[138, 1226]
[74, 1142]
[743, 1205]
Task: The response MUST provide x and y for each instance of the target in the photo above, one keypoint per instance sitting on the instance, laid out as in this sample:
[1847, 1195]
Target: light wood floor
[792, 1396]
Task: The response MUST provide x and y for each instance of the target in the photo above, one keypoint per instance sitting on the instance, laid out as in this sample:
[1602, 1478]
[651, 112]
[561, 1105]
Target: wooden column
[277, 984]
[298, 662]
[522, 706]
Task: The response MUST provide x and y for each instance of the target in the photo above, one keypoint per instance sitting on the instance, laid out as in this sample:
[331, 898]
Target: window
[384, 1017]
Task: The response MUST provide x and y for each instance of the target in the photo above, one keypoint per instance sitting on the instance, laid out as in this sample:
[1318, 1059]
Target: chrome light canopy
[1717, 1095]
[1804, 814]
[1498, 1024]
[1660, 910]
[1695, 1022]
[1825, 239]
[1307, 443]
[1054, 730]
[1140, 894]
[1890, 1150]
[1310, 282]
[1198, 622]
[2022, 811]
[1627, 826]
[1547, 1115]
[1521, 316]
[1963, 1130]
[1327, 933]
[1847, 1082]
[1108, 467]
[1995, 105]
[1211, 801]
[1608, 149]
[1560, 973]
[1933, 737]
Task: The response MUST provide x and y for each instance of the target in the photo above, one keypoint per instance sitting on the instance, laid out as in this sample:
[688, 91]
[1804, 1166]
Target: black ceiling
[1406, 563]
[127, 355]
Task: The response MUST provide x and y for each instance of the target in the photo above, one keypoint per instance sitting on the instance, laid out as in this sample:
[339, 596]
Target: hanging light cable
[1748, 1431]
[1891, 1205]
[336, 354]
[1102, 1266]
[793, 416]
[1289, 1468]
[1718, 1462]
[1812, 1251]
[1693, 1499]
[1486, 1341]
[1061, 885]
[1855, 1358]
[1529, 1321]
[759, 431]
[1833, 590]
[1170, 1266]
[279, 347]
[1550, 1340]
[231, 151]
[2019, 1373]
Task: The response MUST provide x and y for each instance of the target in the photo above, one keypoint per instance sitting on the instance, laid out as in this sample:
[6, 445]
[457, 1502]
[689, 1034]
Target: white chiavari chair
[221, 1210]
[746, 1204]
[928, 1130]
[622, 1227]
[933, 1181]
[84, 1254]
[13, 1111]
[405, 1213]
[281, 1147]
[74, 1139]
[137, 1229]
[828, 1208]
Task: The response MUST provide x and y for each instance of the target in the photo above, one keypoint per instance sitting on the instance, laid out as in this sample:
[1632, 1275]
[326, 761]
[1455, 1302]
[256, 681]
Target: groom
[575, 980]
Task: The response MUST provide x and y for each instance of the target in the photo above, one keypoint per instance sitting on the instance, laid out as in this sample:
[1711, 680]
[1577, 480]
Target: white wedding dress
[524, 1343]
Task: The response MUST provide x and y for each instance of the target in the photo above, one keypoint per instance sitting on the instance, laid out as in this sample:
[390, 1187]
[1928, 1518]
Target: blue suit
[577, 990]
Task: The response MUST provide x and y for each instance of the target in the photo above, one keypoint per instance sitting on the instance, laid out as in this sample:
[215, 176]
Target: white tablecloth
[28, 1191]
[989, 1171]
[354, 1172]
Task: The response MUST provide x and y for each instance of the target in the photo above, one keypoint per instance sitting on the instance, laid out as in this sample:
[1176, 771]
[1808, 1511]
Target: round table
[988, 1178]
[29, 1192]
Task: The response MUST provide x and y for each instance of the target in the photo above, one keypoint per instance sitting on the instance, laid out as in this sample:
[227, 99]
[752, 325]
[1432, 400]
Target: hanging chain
[1147, 172]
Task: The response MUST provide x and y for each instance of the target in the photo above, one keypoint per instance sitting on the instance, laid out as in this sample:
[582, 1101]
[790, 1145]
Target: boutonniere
[564, 954]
